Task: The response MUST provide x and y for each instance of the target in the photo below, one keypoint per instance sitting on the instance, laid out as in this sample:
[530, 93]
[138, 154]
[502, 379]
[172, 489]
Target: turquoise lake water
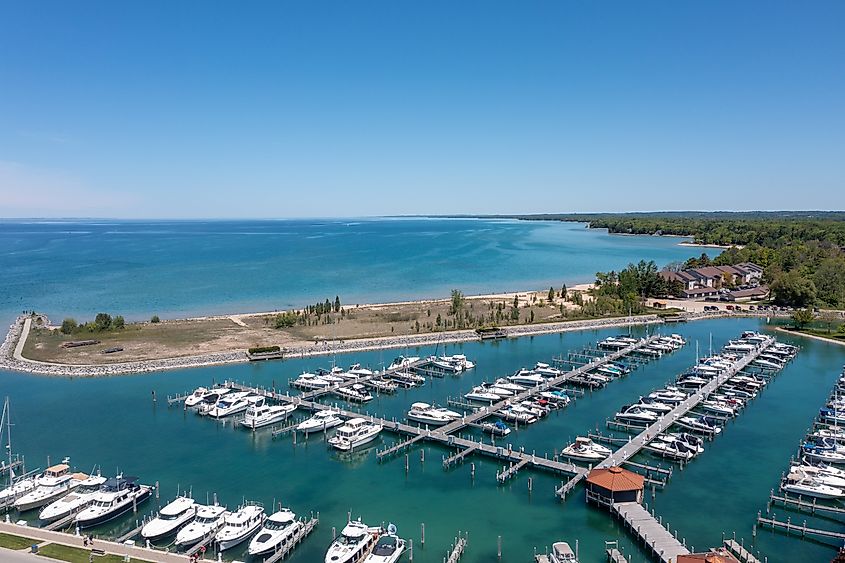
[113, 422]
[184, 268]
[172, 269]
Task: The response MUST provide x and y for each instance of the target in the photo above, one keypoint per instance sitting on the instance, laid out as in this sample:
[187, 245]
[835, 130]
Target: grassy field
[79, 555]
[15, 542]
[190, 337]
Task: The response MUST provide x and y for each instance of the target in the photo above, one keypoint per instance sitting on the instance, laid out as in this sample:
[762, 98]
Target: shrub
[102, 321]
[118, 322]
[263, 349]
[68, 326]
[155, 319]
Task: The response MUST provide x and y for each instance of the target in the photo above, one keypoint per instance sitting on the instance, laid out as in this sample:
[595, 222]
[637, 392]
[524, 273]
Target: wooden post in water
[422, 534]
[499, 547]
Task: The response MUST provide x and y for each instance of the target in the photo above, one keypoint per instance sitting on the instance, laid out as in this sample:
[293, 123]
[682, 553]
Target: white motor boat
[813, 488]
[676, 450]
[209, 519]
[800, 473]
[210, 399]
[527, 378]
[668, 397]
[82, 496]
[355, 433]
[503, 383]
[560, 398]
[720, 408]
[171, 517]
[355, 542]
[403, 362]
[546, 370]
[239, 525]
[562, 553]
[428, 414]
[18, 488]
[383, 385]
[585, 449]
[262, 414]
[388, 548]
[200, 394]
[650, 404]
[310, 381]
[56, 482]
[233, 403]
[358, 371]
[518, 414]
[703, 424]
[482, 394]
[279, 528]
[321, 420]
[687, 440]
[356, 392]
[117, 496]
[637, 415]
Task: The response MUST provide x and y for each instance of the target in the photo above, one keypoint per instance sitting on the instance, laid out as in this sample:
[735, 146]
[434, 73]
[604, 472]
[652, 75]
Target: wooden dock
[640, 441]
[790, 528]
[457, 550]
[400, 446]
[511, 470]
[651, 533]
[802, 505]
[614, 555]
[458, 457]
[740, 552]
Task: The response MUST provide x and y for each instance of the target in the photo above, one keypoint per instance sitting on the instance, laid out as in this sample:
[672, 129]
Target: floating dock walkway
[649, 531]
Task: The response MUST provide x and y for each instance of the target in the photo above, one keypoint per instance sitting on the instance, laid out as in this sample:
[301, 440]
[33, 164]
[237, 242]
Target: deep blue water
[180, 268]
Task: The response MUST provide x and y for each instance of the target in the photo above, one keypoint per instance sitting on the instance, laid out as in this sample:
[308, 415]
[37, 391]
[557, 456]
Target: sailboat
[20, 486]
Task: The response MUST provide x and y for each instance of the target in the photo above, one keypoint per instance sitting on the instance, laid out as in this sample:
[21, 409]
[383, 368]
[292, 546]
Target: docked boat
[355, 433]
[56, 482]
[359, 372]
[407, 379]
[482, 394]
[560, 398]
[527, 378]
[383, 385]
[388, 548]
[667, 396]
[202, 394]
[585, 449]
[321, 420]
[117, 496]
[308, 380]
[800, 473]
[720, 408]
[459, 360]
[402, 362]
[503, 383]
[676, 450]
[654, 405]
[813, 488]
[497, 428]
[546, 370]
[518, 414]
[208, 521]
[170, 518]
[231, 403]
[354, 543]
[822, 453]
[239, 525]
[356, 392]
[279, 528]
[82, 496]
[562, 553]
[429, 414]
[637, 415]
[263, 414]
[690, 441]
[703, 424]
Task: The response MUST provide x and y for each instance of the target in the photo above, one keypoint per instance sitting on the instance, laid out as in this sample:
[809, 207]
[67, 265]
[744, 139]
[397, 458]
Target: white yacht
[720, 408]
[403, 362]
[459, 360]
[200, 394]
[383, 385]
[355, 542]
[388, 548]
[208, 400]
[482, 394]
[310, 381]
[233, 403]
[560, 398]
[546, 370]
[650, 404]
[208, 521]
[562, 553]
[667, 396]
[56, 482]
[279, 528]
[82, 496]
[812, 488]
[503, 383]
[429, 414]
[358, 371]
[676, 450]
[799, 473]
[586, 450]
[518, 414]
[319, 421]
[117, 497]
[637, 415]
[527, 378]
[18, 488]
[262, 414]
[171, 517]
[239, 525]
[703, 424]
[355, 433]
[355, 392]
[685, 439]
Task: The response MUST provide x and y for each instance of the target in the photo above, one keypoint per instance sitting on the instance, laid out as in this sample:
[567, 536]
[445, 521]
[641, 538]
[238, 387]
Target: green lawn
[79, 555]
[15, 542]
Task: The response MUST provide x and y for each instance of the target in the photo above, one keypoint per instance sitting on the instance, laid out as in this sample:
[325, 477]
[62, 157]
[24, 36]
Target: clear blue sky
[308, 108]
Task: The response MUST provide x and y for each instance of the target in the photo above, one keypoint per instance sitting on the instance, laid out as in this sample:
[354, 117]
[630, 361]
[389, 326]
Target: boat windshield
[206, 519]
[102, 503]
[348, 540]
[169, 516]
[271, 525]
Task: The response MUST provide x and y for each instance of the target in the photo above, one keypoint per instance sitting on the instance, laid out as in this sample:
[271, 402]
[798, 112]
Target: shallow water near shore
[114, 423]
[188, 268]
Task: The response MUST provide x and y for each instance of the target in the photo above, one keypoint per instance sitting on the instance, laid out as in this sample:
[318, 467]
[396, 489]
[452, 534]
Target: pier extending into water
[651, 533]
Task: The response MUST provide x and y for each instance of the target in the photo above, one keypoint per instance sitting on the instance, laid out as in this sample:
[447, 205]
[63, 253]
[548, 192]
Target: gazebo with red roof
[614, 484]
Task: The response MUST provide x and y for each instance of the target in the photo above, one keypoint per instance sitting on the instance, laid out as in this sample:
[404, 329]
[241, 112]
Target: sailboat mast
[8, 418]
